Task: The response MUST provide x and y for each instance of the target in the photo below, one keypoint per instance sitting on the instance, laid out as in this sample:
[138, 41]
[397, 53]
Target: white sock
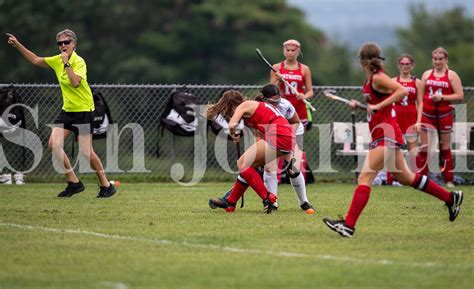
[298, 185]
[271, 182]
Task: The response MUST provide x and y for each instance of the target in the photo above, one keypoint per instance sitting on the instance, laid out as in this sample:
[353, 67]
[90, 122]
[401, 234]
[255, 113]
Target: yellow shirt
[74, 99]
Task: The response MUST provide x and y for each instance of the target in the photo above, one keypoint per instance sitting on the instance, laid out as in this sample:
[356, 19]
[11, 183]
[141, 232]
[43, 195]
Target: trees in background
[451, 29]
[207, 41]
[199, 41]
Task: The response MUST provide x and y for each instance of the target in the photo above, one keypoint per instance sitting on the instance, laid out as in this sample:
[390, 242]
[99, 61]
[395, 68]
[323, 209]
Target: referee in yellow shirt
[77, 112]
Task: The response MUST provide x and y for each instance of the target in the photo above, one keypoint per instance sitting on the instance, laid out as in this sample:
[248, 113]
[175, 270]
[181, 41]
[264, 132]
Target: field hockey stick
[329, 93]
[237, 149]
[259, 53]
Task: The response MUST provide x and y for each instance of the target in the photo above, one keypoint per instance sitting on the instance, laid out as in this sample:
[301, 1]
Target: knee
[365, 179]
[88, 153]
[445, 146]
[54, 145]
[405, 179]
[240, 165]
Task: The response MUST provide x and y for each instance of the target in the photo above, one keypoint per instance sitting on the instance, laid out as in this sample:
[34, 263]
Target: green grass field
[161, 235]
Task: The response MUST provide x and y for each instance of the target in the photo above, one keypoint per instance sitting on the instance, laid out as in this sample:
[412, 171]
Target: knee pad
[291, 170]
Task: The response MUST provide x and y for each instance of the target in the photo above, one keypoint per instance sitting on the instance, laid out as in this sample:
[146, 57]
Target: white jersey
[224, 124]
[288, 111]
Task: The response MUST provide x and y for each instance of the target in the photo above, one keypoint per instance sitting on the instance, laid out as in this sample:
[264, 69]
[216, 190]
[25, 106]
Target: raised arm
[27, 54]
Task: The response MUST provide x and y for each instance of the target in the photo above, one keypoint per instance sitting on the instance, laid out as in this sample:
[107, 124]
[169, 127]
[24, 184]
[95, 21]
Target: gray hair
[69, 33]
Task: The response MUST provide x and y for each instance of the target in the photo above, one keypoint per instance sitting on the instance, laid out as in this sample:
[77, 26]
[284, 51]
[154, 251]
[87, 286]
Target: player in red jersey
[297, 74]
[406, 108]
[278, 140]
[271, 94]
[439, 87]
[380, 93]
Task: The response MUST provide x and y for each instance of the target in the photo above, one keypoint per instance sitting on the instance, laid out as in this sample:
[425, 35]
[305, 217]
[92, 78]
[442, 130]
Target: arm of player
[458, 94]
[308, 83]
[420, 90]
[384, 84]
[74, 79]
[245, 108]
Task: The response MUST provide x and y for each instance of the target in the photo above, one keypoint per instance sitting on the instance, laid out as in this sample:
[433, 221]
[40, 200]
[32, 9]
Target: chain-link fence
[143, 106]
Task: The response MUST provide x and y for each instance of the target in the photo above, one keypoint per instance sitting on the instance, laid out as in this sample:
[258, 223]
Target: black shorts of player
[77, 122]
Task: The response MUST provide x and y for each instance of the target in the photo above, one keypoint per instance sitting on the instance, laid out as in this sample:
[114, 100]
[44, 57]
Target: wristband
[66, 65]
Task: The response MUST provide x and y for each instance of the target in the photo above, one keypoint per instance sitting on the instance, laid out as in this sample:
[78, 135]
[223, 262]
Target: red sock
[359, 200]
[423, 183]
[254, 180]
[238, 190]
[389, 178]
[421, 162]
[447, 168]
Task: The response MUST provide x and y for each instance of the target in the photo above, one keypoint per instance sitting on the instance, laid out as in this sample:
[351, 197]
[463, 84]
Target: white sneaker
[396, 184]
[450, 185]
[6, 179]
[19, 179]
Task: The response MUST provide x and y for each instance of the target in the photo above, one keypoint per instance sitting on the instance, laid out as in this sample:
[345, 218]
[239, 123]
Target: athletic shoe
[19, 179]
[223, 204]
[223, 197]
[71, 189]
[106, 192]
[6, 179]
[268, 203]
[396, 184]
[340, 227]
[308, 208]
[455, 206]
[450, 185]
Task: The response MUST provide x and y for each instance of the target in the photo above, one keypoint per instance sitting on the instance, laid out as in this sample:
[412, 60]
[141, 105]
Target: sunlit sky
[348, 19]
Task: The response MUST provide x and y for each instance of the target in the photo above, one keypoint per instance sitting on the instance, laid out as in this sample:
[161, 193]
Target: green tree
[167, 41]
[451, 29]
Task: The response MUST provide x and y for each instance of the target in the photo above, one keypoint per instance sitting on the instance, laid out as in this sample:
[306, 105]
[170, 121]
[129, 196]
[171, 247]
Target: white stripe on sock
[424, 179]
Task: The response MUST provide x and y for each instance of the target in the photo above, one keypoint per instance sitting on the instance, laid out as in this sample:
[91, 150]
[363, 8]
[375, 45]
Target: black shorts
[77, 122]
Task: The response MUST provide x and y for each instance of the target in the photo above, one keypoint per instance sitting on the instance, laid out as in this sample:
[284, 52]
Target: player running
[380, 93]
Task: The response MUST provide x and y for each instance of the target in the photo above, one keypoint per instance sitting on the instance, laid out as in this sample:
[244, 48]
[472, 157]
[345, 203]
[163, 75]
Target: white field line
[226, 249]
[114, 285]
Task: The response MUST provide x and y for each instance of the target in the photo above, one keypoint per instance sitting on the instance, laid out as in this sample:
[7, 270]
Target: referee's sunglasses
[65, 42]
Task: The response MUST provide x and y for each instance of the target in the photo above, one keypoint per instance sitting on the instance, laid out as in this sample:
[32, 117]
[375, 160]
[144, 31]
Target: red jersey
[382, 124]
[440, 86]
[274, 127]
[296, 79]
[407, 103]
[406, 108]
